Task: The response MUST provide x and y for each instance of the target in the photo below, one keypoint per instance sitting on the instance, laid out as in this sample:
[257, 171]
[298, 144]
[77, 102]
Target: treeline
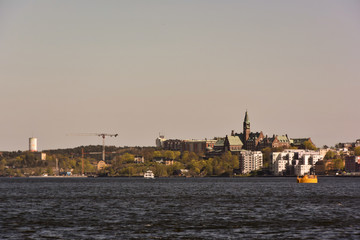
[29, 164]
[119, 164]
[184, 164]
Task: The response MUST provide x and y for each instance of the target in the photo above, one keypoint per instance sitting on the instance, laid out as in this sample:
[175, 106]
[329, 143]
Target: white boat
[149, 174]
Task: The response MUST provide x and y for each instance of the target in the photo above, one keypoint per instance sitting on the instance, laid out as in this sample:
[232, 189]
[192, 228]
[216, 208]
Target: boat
[307, 179]
[149, 174]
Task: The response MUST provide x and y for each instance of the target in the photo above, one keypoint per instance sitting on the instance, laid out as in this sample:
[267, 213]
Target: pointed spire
[246, 119]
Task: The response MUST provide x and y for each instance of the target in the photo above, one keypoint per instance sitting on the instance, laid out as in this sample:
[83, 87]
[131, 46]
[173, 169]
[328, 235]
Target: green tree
[309, 145]
[330, 155]
[357, 151]
[49, 171]
[195, 167]
[169, 155]
[161, 170]
[209, 167]
[193, 156]
[177, 155]
[338, 164]
[157, 154]
[185, 157]
[266, 156]
[127, 158]
[2, 166]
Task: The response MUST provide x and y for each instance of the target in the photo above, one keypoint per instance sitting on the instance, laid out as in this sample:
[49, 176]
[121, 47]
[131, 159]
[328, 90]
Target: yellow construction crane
[103, 135]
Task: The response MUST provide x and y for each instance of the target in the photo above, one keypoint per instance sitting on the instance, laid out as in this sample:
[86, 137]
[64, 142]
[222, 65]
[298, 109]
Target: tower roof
[246, 119]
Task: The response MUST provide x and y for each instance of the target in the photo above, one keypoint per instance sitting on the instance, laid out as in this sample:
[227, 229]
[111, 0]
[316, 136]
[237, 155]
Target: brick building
[352, 163]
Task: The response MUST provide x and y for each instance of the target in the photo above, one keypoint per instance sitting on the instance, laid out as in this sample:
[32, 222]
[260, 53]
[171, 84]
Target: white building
[301, 169]
[250, 161]
[301, 161]
[33, 144]
[160, 141]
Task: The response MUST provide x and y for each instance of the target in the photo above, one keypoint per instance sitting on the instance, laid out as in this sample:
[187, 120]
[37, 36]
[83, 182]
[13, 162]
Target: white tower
[33, 144]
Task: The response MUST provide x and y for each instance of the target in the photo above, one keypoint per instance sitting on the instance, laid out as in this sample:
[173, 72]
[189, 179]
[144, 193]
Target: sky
[186, 69]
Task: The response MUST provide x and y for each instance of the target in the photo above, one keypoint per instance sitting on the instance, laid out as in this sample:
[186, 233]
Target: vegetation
[357, 151]
[120, 163]
[309, 145]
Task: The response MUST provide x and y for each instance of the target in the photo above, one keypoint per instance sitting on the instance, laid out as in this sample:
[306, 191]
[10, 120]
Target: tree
[177, 155]
[266, 156]
[157, 154]
[49, 171]
[169, 155]
[357, 151]
[193, 156]
[185, 157]
[330, 155]
[338, 164]
[309, 145]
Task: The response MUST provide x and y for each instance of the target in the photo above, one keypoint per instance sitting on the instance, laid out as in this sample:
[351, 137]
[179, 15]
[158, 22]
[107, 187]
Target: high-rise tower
[246, 126]
[33, 144]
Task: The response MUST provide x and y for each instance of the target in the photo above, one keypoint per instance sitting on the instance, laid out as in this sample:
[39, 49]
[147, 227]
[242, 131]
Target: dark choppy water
[206, 208]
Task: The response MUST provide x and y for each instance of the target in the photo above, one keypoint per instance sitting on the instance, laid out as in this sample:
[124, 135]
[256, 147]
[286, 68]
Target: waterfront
[179, 208]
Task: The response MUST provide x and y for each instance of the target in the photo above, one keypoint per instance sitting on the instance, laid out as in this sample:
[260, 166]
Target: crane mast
[103, 135]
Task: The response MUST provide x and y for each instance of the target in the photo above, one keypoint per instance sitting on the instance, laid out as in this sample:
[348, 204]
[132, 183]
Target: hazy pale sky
[187, 69]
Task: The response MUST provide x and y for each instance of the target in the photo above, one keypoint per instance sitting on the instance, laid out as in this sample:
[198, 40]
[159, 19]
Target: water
[179, 208]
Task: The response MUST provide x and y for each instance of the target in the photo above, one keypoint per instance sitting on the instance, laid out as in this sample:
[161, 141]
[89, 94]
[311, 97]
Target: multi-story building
[197, 146]
[160, 141]
[296, 161]
[302, 169]
[173, 144]
[249, 139]
[250, 161]
[232, 144]
[276, 141]
[352, 163]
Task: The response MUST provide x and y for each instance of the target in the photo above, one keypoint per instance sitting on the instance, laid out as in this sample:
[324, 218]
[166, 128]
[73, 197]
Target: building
[281, 161]
[33, 144]
[250, 161]
[320, 167]
[33, 147]
[198, 146]
[173, 144]
[276, 141]
[219, 145]
[302, 169]
[299, 142]
[249, 139]
[193, 145]
[232, 144]
[352, 163]
[294, 161]
[101, 165]
[160, 141]
[139, 159]
[40, 156]
[162, 160]
[348, 144]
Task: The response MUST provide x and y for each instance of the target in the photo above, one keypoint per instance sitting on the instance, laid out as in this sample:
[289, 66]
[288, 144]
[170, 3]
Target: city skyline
[186, 69]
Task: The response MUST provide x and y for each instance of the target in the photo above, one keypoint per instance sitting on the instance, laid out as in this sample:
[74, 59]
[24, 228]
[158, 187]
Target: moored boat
[149, 174]
[307, 179]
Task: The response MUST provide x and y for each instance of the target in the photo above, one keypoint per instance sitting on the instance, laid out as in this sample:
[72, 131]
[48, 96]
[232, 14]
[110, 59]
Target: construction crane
[103, 135]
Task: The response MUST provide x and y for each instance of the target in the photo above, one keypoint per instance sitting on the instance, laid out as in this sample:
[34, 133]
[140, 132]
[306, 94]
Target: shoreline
[140, 177]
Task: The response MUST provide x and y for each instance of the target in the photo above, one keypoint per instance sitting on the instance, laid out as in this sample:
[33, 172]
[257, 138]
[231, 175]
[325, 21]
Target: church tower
[246, 127]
